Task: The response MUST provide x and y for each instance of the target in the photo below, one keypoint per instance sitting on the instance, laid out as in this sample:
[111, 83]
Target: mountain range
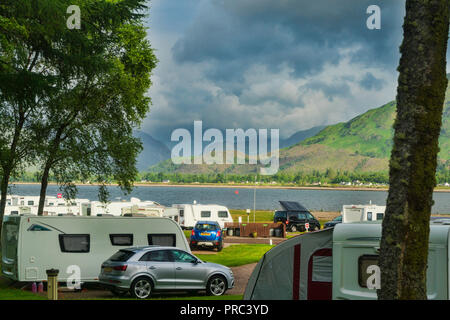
[362, 144]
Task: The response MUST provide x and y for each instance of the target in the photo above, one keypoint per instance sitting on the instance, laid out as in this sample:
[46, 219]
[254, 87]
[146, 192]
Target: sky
[263, 64]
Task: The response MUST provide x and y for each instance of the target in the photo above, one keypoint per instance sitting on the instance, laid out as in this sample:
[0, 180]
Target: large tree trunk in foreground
[420, 97]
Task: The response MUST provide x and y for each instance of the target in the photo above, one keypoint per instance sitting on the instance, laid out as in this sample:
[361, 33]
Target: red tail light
[287, 221]
[192, 232]
[218, 233]
[120, 268]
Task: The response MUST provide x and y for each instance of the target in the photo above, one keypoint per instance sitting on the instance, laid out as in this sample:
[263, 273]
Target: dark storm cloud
[303, 34]
[287, 64]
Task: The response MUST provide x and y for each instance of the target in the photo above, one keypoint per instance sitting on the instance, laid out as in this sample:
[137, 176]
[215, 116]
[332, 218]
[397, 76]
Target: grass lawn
[237, 255]
[260, 215]
[15, 294]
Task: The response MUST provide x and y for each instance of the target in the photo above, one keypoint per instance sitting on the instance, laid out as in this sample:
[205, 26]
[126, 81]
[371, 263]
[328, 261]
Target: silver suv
[141, 270]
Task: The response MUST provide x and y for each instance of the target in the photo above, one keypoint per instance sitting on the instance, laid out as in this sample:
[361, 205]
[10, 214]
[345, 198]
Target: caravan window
[205, 214]
[36, 227]
[162, 239]
[74, 242]
[364, 262]
[30, 202]
[121, 239]
[380, 216]
[222, 214]
[181, 212]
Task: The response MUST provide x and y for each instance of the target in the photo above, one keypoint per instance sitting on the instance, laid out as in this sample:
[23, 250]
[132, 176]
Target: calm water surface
[240, 198]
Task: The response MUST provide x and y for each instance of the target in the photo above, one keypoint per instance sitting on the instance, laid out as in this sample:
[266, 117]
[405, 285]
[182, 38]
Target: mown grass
[237, 255]
[260, 215]
[7, 293]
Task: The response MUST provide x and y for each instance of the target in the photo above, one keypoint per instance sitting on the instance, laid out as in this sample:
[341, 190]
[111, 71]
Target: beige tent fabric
[273, 276]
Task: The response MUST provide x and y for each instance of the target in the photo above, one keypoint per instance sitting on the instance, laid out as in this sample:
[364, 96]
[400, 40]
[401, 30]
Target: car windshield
[122, 255]
[205, 226]
[338, 218]
[280, 214]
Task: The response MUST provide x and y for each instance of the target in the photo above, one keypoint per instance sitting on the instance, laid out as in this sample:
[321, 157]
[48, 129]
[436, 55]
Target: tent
[297, 269]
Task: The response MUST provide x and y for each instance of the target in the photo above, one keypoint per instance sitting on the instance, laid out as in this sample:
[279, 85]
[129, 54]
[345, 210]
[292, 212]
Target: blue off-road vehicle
[206, 234]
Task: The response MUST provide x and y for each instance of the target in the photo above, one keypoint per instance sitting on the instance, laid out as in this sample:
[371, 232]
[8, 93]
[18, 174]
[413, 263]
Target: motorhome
[33, 244]
[341, 263]
[365, 212]
[188, 214]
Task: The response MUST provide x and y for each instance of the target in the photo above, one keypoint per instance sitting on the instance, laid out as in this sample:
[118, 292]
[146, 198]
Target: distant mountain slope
[300, 136]
[362, 144]
[153, 153]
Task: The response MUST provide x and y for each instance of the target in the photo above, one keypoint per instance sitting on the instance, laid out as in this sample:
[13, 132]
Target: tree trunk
[8, 165]
[43, 192]
[420, 97]
[48, 165]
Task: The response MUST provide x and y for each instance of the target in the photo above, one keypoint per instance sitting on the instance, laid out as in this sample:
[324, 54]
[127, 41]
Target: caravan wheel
[141, 288]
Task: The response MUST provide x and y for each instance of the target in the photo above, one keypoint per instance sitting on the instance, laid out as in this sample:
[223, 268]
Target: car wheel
[293, 228]
[141, 288]
[316, 228]
[216, 286]
[192, 247]
[220, 247]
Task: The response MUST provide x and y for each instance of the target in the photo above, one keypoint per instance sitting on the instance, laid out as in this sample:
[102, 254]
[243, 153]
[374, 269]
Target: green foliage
[91, 86]
[330, 176]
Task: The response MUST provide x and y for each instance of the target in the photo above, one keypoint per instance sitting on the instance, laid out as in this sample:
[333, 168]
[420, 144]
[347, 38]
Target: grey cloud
[305, 34]
[370, 82]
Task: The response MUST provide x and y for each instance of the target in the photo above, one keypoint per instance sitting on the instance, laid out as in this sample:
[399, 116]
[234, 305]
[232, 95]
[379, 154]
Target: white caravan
[17, 205]
[189, 214]
[364, 212]
[53, 206]
[134, 207]
[33, 244]
[341, 263]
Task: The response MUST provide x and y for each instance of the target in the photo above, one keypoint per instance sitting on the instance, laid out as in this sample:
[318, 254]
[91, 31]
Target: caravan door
[10, 240]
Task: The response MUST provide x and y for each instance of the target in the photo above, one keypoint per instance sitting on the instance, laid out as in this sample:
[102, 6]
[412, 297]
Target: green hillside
[362, 144]
[369, 134]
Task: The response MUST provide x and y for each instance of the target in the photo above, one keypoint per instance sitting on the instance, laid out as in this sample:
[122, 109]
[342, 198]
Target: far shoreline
[212, 185]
